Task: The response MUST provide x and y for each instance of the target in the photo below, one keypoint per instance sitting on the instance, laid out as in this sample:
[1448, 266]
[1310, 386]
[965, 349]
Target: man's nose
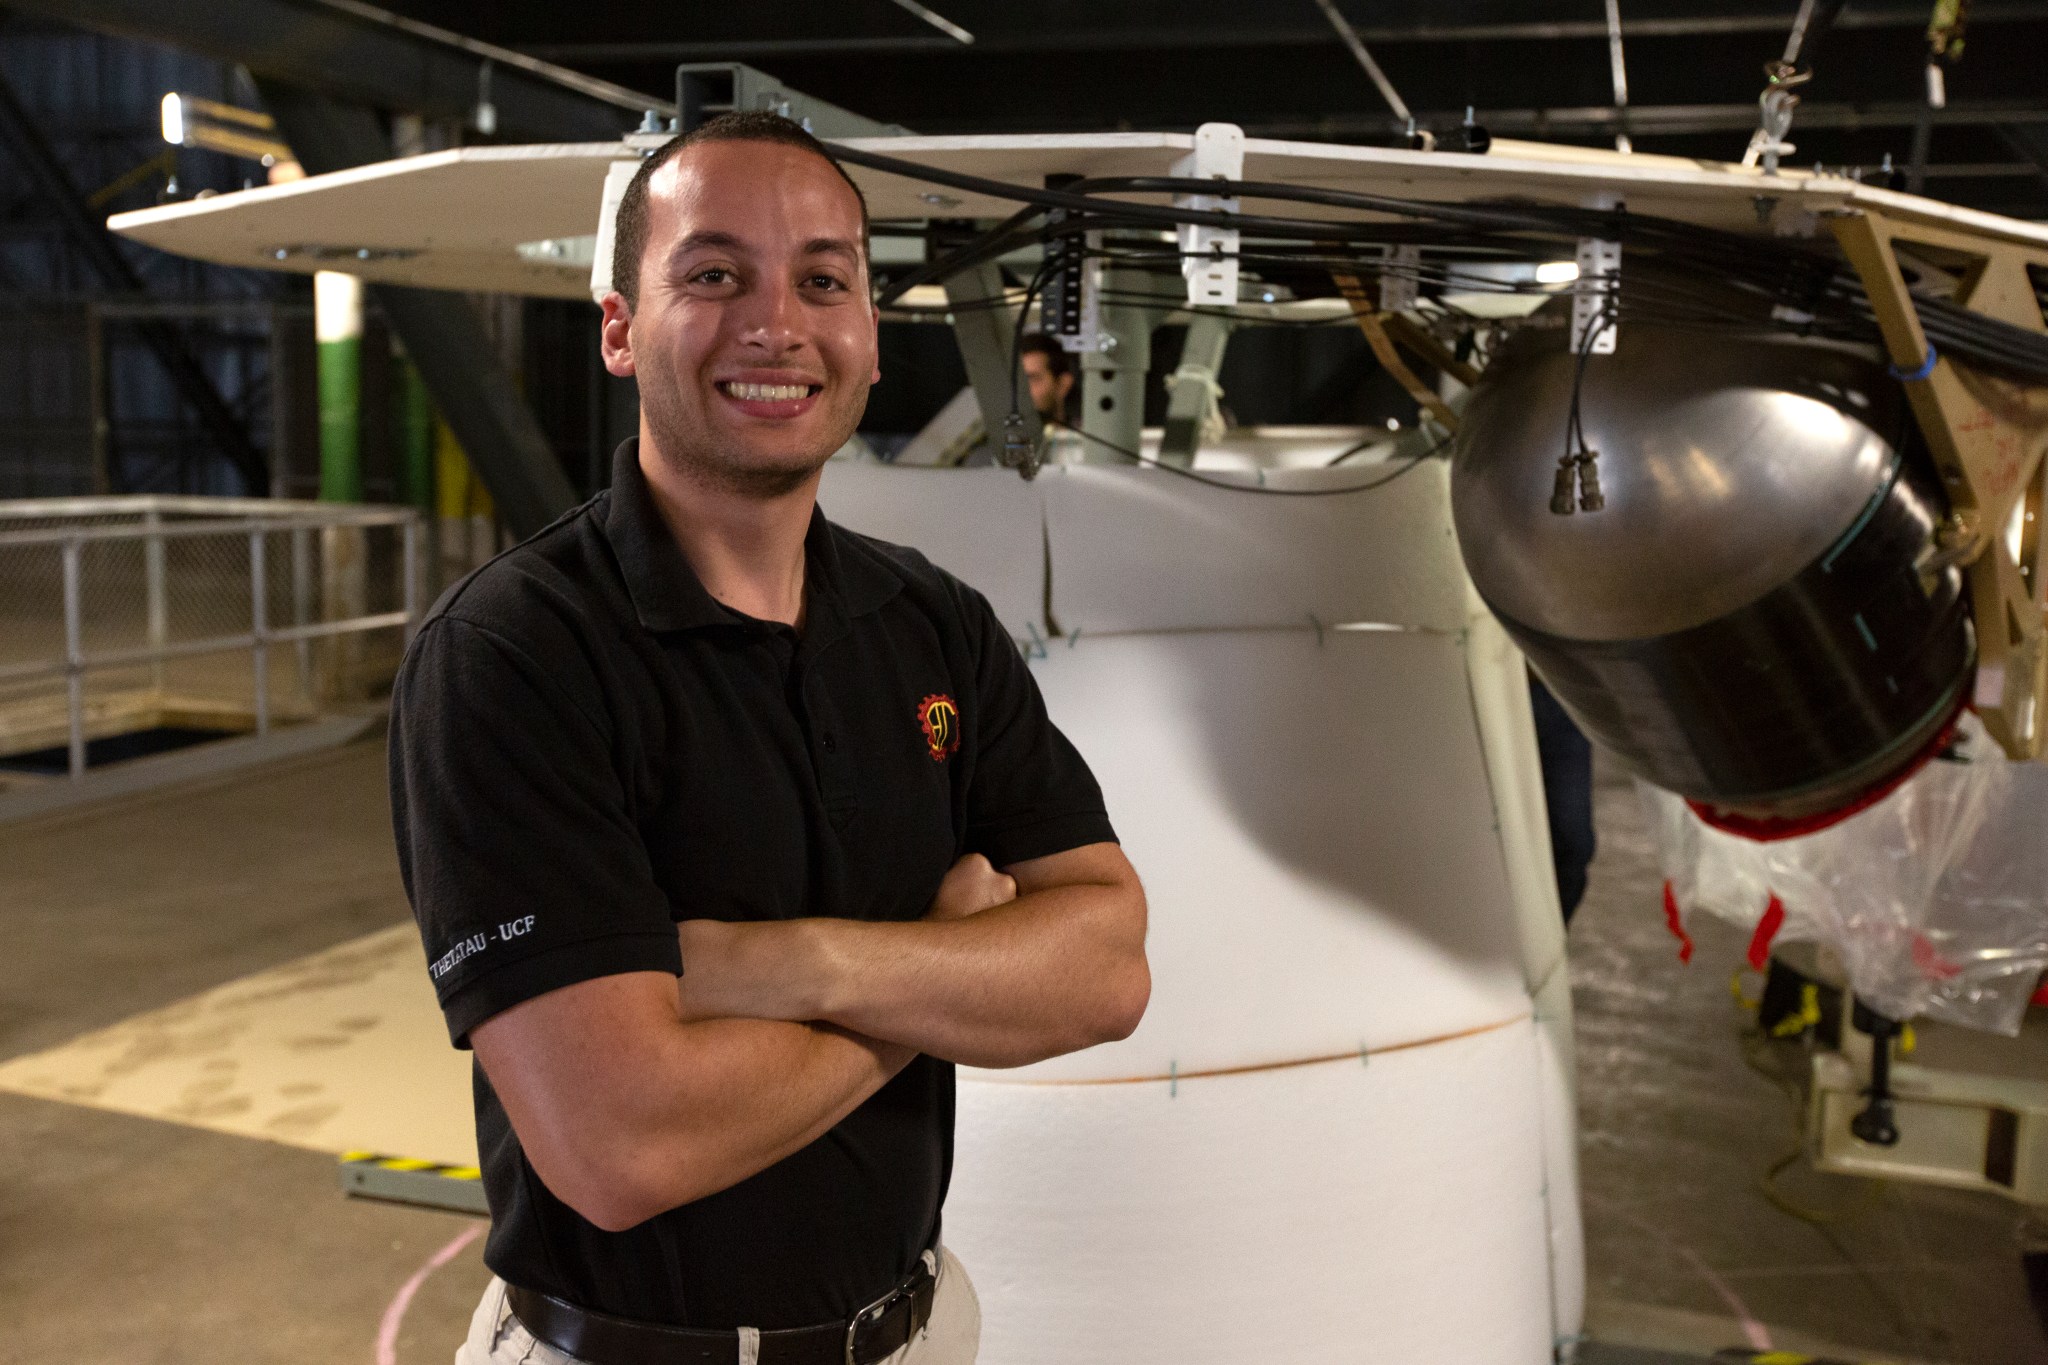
[773, 317]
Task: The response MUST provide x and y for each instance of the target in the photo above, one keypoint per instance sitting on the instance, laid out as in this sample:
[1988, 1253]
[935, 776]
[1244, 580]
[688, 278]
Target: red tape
[1676, 925]
[1931, 963]
[1766, 929]
[1768, 829]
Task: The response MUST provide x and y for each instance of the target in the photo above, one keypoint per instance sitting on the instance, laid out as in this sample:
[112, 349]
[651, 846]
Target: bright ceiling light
[196, 121]
[174, 119]
[1557, 272]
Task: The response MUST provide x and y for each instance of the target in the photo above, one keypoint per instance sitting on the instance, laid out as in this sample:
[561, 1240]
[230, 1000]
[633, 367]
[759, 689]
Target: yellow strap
[1735, 989]
[1808, 1016]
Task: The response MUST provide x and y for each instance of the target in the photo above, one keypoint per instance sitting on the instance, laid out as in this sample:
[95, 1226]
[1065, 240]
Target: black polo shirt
[586, 748]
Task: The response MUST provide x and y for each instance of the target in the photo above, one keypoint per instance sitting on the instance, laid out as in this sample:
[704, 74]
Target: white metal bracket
[1398, 278]
[1596, 298]
[616, 177]
[1209, 254]
[1070, 310]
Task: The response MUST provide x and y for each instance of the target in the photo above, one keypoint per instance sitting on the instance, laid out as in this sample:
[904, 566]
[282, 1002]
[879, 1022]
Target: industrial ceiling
[1543, 69]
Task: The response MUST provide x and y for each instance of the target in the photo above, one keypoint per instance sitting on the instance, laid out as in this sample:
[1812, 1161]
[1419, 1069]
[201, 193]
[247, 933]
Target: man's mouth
[767, 393]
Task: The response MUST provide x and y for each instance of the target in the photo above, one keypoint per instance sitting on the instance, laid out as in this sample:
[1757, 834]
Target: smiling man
[729, 832]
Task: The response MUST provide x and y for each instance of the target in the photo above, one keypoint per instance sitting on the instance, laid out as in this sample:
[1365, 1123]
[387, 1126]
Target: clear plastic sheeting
[1935, 900]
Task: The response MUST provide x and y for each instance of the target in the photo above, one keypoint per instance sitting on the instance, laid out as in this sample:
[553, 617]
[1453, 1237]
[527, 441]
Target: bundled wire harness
[1800, 288]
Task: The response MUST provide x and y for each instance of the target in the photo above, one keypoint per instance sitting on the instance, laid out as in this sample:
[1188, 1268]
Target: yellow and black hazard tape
[1747, 1357]
[408, 1180]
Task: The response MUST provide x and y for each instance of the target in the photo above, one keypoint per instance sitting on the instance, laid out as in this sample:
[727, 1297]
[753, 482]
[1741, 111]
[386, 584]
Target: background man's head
[1049, 370]
[741, 304]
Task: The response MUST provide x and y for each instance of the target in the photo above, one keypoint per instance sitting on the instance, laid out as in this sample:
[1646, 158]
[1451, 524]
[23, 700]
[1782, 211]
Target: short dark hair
[629, 228]
[1057, 361]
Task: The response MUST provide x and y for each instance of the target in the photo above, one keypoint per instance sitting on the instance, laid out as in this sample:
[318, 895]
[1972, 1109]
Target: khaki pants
[950, 1338]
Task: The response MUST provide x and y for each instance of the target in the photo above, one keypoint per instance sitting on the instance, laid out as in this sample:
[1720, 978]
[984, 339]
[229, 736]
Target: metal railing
[127, 589]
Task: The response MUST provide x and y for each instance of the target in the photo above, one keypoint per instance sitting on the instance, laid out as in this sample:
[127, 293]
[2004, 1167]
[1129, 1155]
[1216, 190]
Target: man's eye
[827, 282]
[712, 276]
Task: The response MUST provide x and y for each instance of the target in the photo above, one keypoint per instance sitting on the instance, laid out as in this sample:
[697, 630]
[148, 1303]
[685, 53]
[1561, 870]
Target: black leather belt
[877, 1331]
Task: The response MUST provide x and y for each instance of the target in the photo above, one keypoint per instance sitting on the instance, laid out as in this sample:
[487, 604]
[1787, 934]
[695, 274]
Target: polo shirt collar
[840, 583]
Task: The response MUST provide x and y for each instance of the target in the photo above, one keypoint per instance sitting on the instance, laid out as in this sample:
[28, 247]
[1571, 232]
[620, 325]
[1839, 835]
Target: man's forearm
[759, 1090]
[1050, 972]
[691, 1108]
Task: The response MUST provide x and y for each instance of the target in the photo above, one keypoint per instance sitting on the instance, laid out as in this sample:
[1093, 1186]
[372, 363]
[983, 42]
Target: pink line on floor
[1759, 1336]
[394, 1313]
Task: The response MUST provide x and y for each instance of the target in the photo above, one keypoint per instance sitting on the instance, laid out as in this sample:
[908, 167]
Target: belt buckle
[868, 1316]
[905, 1292]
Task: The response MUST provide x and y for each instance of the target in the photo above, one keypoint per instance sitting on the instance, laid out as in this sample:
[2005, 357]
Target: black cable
[996, 241]
[1017, 335]
[1341, 456]
[977, 305]
[1574, 428]
[1488, 217]
[1137, 457]
[1165, 216]
[1803, 279]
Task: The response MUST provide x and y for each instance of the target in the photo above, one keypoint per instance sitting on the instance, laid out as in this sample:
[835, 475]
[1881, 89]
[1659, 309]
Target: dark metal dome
[1752, 619]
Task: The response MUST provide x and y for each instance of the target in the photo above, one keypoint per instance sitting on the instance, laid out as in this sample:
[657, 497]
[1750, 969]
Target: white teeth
[767, 393]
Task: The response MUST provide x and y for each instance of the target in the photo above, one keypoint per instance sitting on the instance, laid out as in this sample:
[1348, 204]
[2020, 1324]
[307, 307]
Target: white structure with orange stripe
[1344, 1130]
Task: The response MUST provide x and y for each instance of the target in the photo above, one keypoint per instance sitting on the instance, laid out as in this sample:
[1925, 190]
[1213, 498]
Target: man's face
[754, 340]
[1048, 390]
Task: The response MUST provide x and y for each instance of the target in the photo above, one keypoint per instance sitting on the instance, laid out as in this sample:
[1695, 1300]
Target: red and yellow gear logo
[939, 715]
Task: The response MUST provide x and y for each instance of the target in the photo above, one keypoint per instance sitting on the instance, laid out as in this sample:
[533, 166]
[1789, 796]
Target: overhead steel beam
[1056, 38]
[707, 89]
[441, 331]
[363, 55]
[1348, 35]
[2029, 142]
[1647, 119]
[87, 230]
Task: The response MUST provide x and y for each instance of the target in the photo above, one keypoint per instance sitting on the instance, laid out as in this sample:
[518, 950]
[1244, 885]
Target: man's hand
[970, 887]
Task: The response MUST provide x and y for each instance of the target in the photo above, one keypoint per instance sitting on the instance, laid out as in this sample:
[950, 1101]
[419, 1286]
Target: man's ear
[615, 335]
[876, 313]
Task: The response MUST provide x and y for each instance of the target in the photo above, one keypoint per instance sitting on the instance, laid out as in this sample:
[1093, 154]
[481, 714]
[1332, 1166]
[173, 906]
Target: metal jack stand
[1877, 1123]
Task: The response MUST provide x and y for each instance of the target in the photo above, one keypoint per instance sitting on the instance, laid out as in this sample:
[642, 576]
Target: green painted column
[413, 413]
[338, 328]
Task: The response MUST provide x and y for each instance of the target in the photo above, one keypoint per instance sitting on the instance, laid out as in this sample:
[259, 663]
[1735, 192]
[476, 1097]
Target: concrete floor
[132, 1240]
[129, 1239]
[1676, 1131]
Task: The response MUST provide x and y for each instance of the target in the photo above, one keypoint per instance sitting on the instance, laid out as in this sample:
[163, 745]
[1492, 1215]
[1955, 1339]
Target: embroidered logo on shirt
[939, 714]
